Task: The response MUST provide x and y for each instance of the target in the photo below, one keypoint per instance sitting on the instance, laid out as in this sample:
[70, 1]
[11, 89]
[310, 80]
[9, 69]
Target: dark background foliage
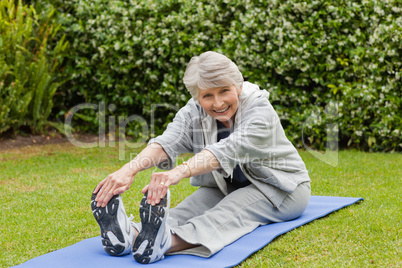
[333, 68]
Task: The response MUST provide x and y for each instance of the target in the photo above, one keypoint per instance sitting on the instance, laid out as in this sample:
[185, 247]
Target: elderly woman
[248, 172]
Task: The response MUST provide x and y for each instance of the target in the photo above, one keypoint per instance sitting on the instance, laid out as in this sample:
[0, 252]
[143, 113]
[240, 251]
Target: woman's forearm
[150, 156]
[120, 181]
[201, 163]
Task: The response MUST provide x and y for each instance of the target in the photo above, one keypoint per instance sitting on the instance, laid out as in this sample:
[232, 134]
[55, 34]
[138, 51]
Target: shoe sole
[107, 221]
[151, 220]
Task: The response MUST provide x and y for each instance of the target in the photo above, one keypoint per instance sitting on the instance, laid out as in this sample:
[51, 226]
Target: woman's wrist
[132, 168]
[184, 170]
[189, 169]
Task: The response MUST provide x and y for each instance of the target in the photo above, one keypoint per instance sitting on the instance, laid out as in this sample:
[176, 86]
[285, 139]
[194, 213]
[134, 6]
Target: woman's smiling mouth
[222, 111]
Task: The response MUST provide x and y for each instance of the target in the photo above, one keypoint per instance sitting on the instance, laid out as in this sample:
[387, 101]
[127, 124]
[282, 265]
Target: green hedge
[328, 64]
[28, 68]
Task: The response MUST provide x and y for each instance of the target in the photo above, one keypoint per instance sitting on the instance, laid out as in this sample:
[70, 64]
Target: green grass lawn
[45, 196]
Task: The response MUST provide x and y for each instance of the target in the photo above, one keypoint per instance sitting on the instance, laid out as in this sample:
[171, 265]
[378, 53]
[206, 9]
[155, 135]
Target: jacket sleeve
[177, 138]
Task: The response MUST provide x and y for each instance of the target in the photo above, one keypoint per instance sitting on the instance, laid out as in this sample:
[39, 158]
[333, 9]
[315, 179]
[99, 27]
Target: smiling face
[220, 102]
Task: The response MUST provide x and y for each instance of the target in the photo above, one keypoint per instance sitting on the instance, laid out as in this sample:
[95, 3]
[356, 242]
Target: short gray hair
[210, 70]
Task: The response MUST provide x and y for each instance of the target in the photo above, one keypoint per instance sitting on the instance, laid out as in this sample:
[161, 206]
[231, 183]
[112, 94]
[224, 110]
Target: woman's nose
[218, 103]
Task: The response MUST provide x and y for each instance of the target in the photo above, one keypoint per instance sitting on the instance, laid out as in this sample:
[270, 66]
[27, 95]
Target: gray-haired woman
[248, 172]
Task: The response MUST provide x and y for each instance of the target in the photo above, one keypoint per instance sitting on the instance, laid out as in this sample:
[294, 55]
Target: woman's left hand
[160, 182]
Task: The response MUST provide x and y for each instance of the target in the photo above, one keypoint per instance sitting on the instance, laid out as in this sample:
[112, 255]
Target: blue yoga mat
[90, 253]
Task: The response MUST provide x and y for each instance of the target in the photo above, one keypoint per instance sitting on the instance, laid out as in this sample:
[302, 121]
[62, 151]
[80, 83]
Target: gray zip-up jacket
[258, 144]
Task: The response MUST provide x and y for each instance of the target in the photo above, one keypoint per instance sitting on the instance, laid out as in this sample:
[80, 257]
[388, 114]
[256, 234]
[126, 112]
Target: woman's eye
[206, 96]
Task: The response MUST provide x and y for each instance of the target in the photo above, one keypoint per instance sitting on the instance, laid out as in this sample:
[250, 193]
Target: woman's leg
[203, 199]
[235, 215]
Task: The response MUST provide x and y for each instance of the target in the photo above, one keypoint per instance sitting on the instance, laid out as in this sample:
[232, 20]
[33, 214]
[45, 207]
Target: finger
[153, 188]
[100, 189]
[152, 196]
[104, 195]
[96, 189]
[99, 193]
[161, 189]
[158, 193]
[99, 186]
[145, 189]
[163, 192]
[107, 199]
[164, 187]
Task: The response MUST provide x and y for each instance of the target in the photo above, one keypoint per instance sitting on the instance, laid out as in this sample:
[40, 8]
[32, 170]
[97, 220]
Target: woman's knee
[296, 203]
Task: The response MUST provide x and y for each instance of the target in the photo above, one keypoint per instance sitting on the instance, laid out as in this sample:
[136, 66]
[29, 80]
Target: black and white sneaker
[117, 231]
[155, 237]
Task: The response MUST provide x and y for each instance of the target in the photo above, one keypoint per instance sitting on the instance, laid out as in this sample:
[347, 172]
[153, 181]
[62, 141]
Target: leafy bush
[328, 64]
[28, 69]
[340, 60]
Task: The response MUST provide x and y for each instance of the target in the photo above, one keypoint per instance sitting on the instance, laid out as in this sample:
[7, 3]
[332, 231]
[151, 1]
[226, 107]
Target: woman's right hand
[114, 184]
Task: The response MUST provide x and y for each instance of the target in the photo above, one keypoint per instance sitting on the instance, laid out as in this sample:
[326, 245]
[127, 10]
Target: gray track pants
[212, 220]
